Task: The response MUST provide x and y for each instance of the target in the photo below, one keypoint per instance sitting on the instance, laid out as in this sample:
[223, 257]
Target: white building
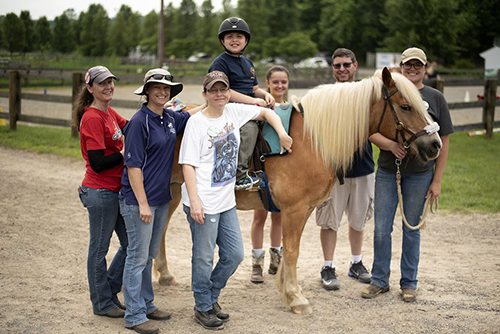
[491, 61]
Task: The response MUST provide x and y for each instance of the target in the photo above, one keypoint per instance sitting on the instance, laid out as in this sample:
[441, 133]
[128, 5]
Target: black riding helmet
[234, 24]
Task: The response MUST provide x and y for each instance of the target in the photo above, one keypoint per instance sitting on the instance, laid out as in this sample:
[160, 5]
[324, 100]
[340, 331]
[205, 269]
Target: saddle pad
[284, 111]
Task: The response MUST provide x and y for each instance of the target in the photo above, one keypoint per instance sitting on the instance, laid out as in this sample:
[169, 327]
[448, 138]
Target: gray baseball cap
[98, 74]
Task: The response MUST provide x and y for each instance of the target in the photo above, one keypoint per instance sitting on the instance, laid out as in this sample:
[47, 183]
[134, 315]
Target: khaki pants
[248, 139]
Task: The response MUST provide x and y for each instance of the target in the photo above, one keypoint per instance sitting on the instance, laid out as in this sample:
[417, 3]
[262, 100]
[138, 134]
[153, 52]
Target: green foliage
[94, 29]
[149, 33]
[432, 25]
[13, 33]
[124, 32]
[43, 34]
[28, 31]
[63, 34]
[297, 45]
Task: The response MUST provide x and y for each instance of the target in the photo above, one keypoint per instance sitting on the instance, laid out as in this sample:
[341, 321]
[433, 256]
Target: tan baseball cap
[213, 77]
[414, 53]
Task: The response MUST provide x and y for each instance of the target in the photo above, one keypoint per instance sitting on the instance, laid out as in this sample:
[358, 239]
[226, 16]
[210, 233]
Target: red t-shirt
[102, 131]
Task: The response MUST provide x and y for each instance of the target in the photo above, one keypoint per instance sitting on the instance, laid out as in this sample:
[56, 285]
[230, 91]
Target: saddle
[268, 144]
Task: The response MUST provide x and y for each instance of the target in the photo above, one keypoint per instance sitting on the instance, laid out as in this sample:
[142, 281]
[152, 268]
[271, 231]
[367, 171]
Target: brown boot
[257, 268]
[275, 260]
[145, 328]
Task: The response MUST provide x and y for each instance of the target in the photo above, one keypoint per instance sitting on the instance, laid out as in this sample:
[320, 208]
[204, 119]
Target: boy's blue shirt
[239, 70]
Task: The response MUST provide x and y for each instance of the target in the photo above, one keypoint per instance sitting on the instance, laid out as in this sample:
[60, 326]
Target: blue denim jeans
[223, 230]
[104, 218]
[414, 188]
[144, 242]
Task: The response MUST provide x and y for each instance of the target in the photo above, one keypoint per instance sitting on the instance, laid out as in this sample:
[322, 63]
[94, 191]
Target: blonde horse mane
[336, 116]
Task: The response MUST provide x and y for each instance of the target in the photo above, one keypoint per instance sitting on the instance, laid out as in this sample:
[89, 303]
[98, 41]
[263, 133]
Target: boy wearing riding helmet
[234, 35]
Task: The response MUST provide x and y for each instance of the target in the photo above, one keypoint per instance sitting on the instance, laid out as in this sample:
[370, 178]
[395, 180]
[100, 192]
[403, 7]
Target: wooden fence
[15, 96]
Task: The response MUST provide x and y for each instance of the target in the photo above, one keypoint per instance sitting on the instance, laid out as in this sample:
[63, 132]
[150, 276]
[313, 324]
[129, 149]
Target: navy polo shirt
[149, 145]
[362, 164]
[239, 70]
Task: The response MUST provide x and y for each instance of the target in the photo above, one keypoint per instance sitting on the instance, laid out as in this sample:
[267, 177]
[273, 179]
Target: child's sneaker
[248, 183]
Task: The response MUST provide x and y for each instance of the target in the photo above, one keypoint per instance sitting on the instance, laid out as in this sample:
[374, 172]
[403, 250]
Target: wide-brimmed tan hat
[414, 53]
[98, 74]
[213, 77]
[162, 76]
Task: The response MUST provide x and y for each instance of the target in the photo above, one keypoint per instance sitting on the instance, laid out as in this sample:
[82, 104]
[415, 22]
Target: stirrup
[252, 185]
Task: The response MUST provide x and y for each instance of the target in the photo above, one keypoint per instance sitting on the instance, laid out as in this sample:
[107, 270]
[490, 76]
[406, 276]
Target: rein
[401, 129]
[422, 222]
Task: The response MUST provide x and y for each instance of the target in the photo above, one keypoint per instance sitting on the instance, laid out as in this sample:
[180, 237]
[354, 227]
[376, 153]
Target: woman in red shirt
[102, 144]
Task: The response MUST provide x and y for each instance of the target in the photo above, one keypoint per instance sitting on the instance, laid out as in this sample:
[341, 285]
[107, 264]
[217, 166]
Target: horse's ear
[387, 78]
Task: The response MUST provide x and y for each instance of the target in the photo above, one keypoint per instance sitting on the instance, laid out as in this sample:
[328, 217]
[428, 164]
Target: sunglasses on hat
[167, 77]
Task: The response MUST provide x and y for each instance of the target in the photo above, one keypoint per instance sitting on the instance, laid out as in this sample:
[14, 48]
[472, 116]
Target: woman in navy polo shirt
[144, 198]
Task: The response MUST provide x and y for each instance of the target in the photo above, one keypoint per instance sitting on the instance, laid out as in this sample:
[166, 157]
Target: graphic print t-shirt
[211, 146]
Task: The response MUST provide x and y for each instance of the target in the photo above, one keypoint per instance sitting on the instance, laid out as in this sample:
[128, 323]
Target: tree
[63, 34]
[310, 17]
[281, 17]
[124, 32]
[433, 25]
[28, 30]
[94, 31]
[355, 25]
[253, 12]
[149, 33]
[43, 34]
[297, 45]
[208, 28]
[13, 33]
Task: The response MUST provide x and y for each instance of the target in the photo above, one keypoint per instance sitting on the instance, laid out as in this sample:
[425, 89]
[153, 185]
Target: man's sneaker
[208, 320]
[329, 278]
[359, 272]
[219, 313]
[248, 183]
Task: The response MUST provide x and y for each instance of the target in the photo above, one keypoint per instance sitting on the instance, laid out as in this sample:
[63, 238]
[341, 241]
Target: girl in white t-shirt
[209, 153]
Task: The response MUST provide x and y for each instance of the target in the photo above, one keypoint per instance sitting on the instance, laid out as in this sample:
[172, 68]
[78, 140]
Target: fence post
[76, 82]
[490, 91]
[14, 98]
[440, 85]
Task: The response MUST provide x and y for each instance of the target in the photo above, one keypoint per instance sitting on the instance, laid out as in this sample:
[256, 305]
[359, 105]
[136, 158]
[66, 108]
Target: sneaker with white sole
[359, 272]
[329, 278]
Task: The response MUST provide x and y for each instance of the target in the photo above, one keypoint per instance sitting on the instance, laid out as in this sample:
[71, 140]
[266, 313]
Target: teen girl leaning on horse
[277, 78]
[418, 182]
[208, 156]
[101, 145]
[150, 140]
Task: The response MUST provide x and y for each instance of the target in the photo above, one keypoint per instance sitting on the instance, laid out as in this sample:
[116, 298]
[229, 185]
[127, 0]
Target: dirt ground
[44, 240]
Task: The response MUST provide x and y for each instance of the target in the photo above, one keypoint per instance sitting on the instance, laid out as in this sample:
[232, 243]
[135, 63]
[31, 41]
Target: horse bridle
[400, 127]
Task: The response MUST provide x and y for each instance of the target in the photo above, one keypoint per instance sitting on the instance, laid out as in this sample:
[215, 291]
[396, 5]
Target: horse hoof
[167, 281]
[302, 309]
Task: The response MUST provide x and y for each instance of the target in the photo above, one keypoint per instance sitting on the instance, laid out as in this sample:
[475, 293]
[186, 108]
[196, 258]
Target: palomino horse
[337, 120]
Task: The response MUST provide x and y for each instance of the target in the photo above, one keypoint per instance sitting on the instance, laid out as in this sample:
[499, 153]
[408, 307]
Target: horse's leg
[293, 222]
[160, 263]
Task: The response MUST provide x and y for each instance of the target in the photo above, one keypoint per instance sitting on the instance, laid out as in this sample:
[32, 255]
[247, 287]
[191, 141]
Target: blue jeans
[223, 230]
[144, 242]
[414, 188]
[104, 218]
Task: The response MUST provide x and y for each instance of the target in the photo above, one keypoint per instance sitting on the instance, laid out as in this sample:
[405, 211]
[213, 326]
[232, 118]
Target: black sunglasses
[346, 65]
[167, 77]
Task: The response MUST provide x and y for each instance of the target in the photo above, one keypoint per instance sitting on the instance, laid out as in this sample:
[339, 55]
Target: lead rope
[422, 224]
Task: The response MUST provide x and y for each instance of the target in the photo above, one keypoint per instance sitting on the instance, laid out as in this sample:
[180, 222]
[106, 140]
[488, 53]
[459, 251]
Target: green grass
[42, 140]
[471, 181]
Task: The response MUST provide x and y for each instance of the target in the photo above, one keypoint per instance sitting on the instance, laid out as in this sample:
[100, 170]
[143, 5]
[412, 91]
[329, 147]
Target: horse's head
[401, 115]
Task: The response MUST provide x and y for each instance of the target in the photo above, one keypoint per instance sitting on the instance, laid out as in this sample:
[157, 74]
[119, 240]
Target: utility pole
[161, 36]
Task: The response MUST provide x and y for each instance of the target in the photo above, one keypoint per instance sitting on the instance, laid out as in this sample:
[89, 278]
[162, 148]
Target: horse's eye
[405, 107]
